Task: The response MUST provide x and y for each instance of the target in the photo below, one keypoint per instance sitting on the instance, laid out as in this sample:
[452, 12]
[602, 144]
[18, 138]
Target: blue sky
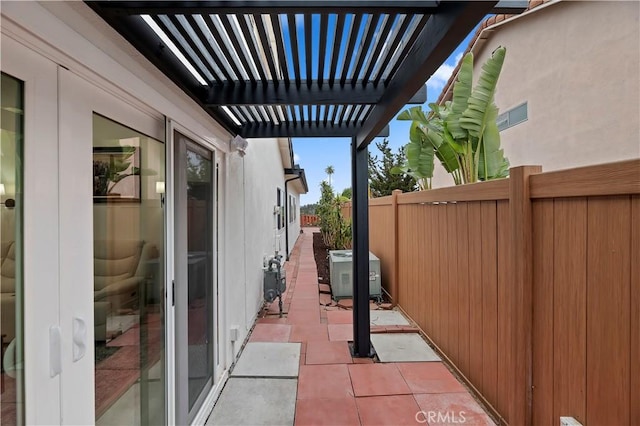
[315, 154]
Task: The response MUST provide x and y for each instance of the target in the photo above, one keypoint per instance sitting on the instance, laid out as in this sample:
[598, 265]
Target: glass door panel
[194, 274]
[129, 318]
[11, 243]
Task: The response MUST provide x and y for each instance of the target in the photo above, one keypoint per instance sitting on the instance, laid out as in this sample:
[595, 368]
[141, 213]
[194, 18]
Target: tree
[329, 171]
[346, 193]
[381, 181]
[309, 208]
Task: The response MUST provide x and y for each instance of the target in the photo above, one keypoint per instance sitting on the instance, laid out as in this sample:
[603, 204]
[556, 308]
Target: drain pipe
[286, 215]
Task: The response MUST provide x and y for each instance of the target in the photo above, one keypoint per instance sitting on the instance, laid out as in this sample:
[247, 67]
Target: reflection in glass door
[128, 223]
[11, 282]
[194, 201]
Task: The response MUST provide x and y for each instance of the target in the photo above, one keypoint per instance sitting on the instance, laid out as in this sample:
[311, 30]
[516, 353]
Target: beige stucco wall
[577, 64]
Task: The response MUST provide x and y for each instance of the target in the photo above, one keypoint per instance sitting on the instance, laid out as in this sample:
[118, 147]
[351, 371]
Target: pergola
[305, 68]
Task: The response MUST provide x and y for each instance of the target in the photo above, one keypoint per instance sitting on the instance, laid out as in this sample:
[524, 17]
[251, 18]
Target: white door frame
[40, 226]
[220, 367]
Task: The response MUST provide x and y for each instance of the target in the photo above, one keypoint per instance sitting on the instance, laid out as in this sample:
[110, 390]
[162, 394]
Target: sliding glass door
[195, 275]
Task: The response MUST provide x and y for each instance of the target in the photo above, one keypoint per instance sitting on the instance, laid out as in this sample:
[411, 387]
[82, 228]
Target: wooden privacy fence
[309, 220]
[530, 286]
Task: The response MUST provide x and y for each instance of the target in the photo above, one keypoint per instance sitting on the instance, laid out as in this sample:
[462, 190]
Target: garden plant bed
[321, 256]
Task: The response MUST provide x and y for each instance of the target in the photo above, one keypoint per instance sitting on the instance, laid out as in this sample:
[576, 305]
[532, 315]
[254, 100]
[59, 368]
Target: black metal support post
[360, 227]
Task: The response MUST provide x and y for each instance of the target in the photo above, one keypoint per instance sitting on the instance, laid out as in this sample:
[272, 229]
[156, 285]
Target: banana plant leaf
[476, 117]
[461, 98]
[420, 152]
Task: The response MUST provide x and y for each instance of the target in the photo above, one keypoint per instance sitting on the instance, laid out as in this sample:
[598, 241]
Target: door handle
[55, 351]
[79, 338]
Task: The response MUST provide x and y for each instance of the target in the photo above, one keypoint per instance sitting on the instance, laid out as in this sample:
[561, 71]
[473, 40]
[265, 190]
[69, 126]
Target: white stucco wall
[251, 233]
[577, 65]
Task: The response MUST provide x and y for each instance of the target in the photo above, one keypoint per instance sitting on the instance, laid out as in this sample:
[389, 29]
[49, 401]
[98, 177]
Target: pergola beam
[299, 130]
[442, 33]
[282, 94]
[122, 8]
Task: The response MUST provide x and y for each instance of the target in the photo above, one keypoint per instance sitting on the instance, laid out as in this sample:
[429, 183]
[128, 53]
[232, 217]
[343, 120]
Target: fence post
[522, 279]
[394, 288]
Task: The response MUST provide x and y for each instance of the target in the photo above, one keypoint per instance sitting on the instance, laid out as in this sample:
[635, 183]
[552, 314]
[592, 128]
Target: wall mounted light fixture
[239, 144]
[160, 190]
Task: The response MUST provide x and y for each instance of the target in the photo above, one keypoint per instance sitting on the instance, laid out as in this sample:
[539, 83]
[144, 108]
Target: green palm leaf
[475, 118]
[461, 96]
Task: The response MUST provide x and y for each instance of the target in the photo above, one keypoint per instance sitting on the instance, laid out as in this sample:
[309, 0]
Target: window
[512, 117]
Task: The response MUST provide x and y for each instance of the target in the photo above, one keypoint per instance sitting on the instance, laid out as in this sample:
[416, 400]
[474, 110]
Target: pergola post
[360, 229]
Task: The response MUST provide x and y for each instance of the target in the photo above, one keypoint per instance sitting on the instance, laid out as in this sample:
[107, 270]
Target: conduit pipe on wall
[286, 210]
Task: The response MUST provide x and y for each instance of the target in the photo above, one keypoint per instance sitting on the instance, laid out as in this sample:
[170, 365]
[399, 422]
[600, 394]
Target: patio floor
[329, 387]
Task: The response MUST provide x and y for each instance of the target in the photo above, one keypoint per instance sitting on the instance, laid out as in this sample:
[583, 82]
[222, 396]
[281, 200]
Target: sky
[315, 154]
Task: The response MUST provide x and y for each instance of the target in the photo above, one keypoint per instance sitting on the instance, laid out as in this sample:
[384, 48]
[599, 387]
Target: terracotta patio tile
[309, 333]
[325, 299]
[303, 317]
[272, 319]
[270, 333]
[329, 412]
[429, 377]
[340, 317]
[345, 303]
[388, 410]
[456, 404]
[357, 360]
[340, 332]
[328, 353]
[304, 305]
[303, 359]
[324, 381]
[377, 379]
[324, 288]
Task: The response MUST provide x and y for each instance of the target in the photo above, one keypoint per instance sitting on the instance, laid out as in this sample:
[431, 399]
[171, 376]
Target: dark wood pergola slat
[379, 44]
[142, 7]
[353, 37]
[224, 48]
[365, 45]
[322, 45]
[248, 37]
[262, 32]
[228, 26]
[295, 52]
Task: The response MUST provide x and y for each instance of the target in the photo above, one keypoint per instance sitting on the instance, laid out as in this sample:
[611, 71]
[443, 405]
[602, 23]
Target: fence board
[489, 300]
[421, 313]
[463, 279]
[602, 179]
[454, 282]
[444, 277]
[475, 297]
[481, 191]
[543, 326]
[634, 372]
[506, 300]
[608, 295]
[429, 245]
[570, 266]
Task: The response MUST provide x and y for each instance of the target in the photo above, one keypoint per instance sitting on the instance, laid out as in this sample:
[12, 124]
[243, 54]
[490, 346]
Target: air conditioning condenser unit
[341, 271]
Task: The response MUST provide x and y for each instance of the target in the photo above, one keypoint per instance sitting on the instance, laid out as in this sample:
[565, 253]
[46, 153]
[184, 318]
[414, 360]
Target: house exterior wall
[576, 64]
[252, 236]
